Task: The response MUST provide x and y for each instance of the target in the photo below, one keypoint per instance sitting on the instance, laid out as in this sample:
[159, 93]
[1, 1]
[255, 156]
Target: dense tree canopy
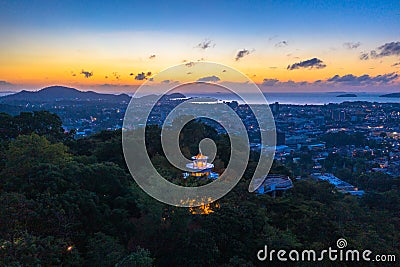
[72, 202]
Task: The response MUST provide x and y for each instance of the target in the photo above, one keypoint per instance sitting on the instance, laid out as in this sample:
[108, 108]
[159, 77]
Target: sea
[321, 98]
[5, 93]
[303, 98]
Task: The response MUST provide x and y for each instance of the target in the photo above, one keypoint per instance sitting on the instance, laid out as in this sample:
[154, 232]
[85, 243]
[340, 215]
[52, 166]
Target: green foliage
[74, 203]
[103, 250]
[42, 123]
[34, 233]
[28, 151]
[28, 250]
[140, 258]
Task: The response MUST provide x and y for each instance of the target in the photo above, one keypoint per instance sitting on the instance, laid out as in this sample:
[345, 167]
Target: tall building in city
[275, 108]
[338, 115]
[280, 138]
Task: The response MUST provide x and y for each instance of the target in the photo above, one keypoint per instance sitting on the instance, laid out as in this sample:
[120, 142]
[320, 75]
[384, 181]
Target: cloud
[189, 64]
[389, 49]
[290, 83]
[282, 44]
[205, 44]
[109, 85]
[4, 83]
[310, 64]
[142, 76]
[272, 37]
[270, 82]
[242, 53]
[351, 45]
[116, 75]
[152, 56]
[385, 50]
[388, 79]
[87, 74]
[209, 79]
[171, 82]
[302, 83]
[365, 79]
[364, 56]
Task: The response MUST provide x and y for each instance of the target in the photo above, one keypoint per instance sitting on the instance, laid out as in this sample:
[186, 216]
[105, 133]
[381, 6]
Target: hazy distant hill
[392, 95]
[347, 95]
[59, 93]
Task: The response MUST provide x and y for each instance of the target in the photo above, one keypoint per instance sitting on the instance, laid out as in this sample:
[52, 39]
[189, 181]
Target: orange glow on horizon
[39, 71]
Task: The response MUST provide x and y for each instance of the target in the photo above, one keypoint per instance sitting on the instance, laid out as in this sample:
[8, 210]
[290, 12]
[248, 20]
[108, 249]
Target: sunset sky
[280, 45]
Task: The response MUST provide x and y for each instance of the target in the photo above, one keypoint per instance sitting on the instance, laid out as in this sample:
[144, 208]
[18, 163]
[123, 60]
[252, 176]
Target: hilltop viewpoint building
[200, 168]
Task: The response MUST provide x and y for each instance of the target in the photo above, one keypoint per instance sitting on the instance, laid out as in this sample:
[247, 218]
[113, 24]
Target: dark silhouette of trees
[72, 202]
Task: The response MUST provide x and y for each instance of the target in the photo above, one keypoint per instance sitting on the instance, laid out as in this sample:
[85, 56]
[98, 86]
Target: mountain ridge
[391, 95]
[58, 93]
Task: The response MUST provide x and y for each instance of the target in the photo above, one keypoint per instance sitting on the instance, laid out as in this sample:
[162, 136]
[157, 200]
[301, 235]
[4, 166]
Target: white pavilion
[199, 167]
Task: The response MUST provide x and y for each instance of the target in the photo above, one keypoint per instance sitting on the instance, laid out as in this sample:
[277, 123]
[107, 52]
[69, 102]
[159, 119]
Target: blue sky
[215, 17]
[51, 41]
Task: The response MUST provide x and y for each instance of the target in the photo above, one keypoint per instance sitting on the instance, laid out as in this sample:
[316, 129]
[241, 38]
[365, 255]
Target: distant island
[347, 95]
[391, 95]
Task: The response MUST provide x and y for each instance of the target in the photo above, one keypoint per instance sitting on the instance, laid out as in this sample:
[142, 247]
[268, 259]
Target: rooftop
[274, 182]
[341, 185]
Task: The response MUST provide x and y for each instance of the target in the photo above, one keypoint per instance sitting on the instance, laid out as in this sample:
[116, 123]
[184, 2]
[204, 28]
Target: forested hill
[67, 202]
[58, 93]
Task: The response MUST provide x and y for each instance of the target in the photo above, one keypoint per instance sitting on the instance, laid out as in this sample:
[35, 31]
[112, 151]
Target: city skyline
[283, 47]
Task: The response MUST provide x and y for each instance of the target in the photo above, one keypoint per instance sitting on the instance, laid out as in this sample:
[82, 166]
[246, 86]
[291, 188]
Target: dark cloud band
[313, 63]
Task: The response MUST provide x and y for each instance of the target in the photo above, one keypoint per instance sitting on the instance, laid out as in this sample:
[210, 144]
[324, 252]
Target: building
[316, 147]
[199, 167]
[275, 108]
[338, 115]
[319, 121]
[340, 185]
[280, 138]
[273, 183]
